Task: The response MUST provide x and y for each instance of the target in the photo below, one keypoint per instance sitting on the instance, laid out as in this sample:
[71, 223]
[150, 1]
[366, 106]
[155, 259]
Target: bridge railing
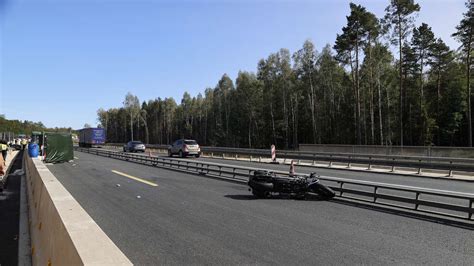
[432, 201]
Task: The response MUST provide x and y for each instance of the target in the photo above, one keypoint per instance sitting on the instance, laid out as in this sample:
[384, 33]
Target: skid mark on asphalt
[135, 178]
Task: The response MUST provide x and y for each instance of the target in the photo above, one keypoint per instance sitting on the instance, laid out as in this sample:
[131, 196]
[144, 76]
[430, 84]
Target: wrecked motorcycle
[264, 184]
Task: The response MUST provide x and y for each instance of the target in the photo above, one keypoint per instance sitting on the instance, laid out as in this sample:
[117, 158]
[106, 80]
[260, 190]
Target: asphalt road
[10, 215]
[422, 181]
[189, 219]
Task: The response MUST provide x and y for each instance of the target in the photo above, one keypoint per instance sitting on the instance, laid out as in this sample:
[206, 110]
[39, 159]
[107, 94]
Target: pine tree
[399, 16]
[464, 35]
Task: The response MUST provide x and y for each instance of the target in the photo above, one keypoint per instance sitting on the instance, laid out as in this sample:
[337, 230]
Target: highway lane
[424, 182]
[189, 219]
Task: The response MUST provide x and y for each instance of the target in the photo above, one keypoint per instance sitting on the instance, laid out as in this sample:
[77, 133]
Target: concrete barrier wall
[62, 233]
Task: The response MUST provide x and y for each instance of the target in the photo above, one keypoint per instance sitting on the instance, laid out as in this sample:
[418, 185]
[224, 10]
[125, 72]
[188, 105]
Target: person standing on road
[23, 144]
[4, 149]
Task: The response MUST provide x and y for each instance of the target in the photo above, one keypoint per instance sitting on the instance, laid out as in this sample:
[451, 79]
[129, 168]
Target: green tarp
[58, 147]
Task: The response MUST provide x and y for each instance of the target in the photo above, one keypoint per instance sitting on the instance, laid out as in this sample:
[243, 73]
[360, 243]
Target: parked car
[134, 146]
[184, 147]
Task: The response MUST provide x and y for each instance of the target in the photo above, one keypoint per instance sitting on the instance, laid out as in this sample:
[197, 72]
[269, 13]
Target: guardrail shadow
[368, 206]
[274, 197]
[406, 213]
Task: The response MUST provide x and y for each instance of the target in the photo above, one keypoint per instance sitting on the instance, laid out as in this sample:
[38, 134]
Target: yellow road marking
[136, 178]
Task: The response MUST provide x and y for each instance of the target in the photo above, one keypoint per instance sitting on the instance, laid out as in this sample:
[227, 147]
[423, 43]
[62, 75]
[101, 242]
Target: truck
[91, 136]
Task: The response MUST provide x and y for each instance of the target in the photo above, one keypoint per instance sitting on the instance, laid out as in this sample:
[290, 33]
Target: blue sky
[62, 60]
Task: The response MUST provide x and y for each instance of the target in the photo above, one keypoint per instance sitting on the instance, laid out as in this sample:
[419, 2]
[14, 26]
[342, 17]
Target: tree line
[15, 127]
[353, 92]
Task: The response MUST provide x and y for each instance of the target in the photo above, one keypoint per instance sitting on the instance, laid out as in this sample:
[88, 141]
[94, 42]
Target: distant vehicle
[91, 136]
[134, 146]
[184, 147]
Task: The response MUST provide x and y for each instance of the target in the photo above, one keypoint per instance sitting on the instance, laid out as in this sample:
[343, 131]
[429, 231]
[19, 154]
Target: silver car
[184, 147]
[134, 146]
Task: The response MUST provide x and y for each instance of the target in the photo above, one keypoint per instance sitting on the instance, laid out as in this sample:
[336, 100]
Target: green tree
[440, 58]
[248, 97]
[360, 31]
[399, 17]
[305, 60]
[132, 105]
[334, 98]
[422, 42]
[464, 34]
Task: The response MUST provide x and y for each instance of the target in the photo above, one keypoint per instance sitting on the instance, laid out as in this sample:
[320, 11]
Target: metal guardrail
[439, 202]
[428, 151]
[393, 161]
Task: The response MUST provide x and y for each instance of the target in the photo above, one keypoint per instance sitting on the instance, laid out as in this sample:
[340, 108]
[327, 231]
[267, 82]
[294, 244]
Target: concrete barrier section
[62, 233]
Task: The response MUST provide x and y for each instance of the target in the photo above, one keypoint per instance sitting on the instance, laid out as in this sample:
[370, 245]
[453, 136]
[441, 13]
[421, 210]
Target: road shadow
[241, 197]
[273, 197]
[385, 209]
[409, 214]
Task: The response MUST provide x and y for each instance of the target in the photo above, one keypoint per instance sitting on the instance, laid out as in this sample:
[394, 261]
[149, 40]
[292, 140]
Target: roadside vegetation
[16, 127]
[384, 81]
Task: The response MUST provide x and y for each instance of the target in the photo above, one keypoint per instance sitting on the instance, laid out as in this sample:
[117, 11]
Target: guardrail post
[471, 203]
[223, 156]
[450, 174]
[393, 165]
[250, 157]
[314, 162]
[419, 168]
[299, 162]
[236, 156]
[260, 159]
[370, 163]
[220, 170]
[417, 198]
[375, 194]
[340, 188]
[212, 155]
[330, 161]
[233, 173]
[349, 163]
